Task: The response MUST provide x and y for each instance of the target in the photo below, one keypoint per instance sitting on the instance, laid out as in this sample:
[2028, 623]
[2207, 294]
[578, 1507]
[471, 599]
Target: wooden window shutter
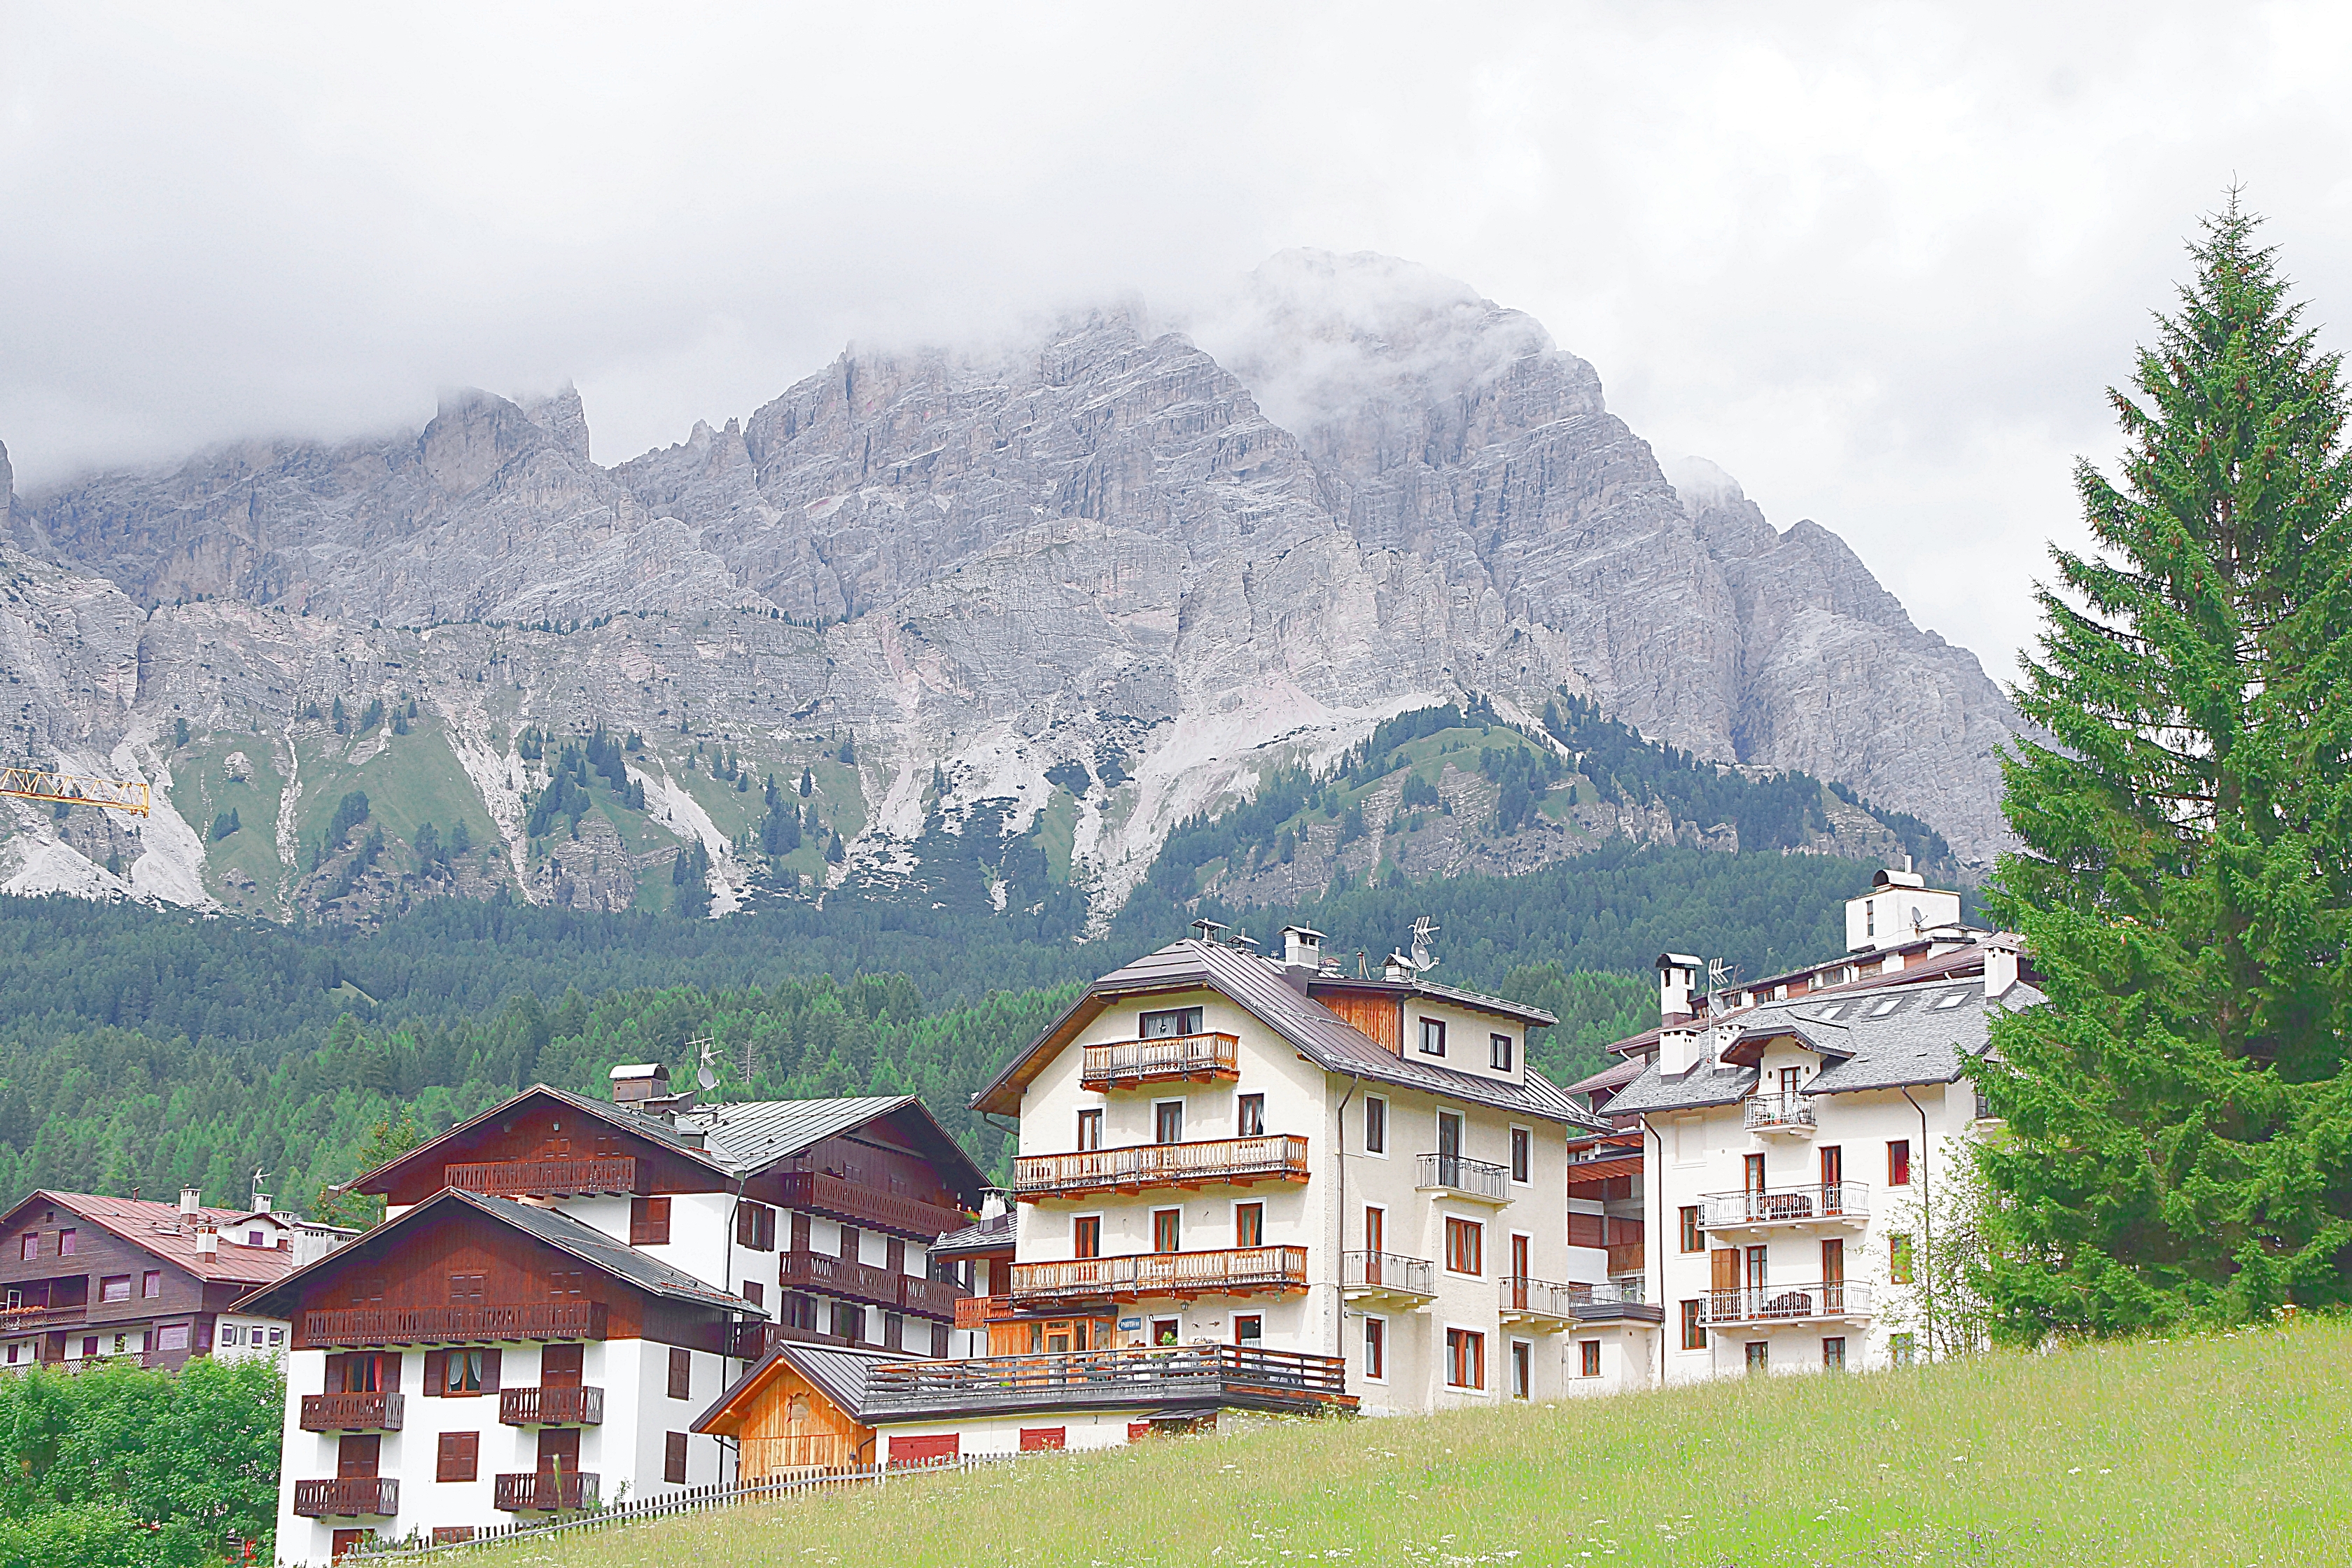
[460, 1457]
[490, 1371]
[388, 1371]
[747, 1225]
[1725, 1261]
[649, 1222]
[437, 1373]
[674, 1459]
[800, 1231]
[681, 1374]
[898, 1255]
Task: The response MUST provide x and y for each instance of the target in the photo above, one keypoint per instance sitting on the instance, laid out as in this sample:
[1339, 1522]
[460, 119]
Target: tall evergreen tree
[2180, 1113]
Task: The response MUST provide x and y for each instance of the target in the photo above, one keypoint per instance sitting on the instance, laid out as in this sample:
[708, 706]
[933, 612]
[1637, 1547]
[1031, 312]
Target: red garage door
[931, 1450]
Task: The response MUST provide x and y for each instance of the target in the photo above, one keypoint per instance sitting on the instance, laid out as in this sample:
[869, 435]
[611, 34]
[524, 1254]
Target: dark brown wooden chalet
[86, 1276]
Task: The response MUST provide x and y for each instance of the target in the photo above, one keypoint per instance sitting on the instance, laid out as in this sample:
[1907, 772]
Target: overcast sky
[1878, 261]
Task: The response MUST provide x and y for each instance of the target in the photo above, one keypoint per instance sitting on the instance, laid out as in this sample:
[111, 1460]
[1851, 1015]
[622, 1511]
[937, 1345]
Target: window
[468, 1290]
[674, 1459]
[1898, 1163]
[1168, 1122]
[276, 1337]
[1833, 1355]
[449, 1534]
[1694, 1325]
[851, 1242]
[28, 1247]
[65, 1242]
[1465, 1247]
[1694, 1236]
[1523, 1153]
[172, 1337]
[230, 1334]
[469, 1371]
[1249, 1225]
[1898, 1260]
[1171, 1024]
[1886, 1006]
[1376, 1125]
[1163, 1331]
[848, 1321]
[460, 1456]
[1432, 1036]
[1522, 1368]
[648, 1221]
[1449, 1141]
[1588, 1358]
[1042, 1439]
[114, 1288]
[1465, 1359]
[1376, 1349]
[1759, 1355]
[1167, 1231]
[1376, 1225]
[1090, 1130]
[1500, 1052]
[1902, 1349]
[755, 1292]
[1086, 1236]
[1249, 1118]
[563, 1283]
[755, 1226]
[681, 1373]
[1950, 999]
[1249, 1330]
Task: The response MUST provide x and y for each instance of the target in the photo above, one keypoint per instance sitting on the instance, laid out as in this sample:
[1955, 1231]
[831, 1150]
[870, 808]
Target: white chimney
[1677, 1051]
[191, 1199]
[1302, 948]
[261, 1203]
[991, 1208]
[207, 1241]
[2000, 966]
[1677, 976]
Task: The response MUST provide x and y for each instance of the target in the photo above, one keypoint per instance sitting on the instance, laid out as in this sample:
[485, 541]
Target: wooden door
[1521, 1271]
[1375, 1228]
[1832, 1177]
[1725, 1261]
[1834, 1275]
[357, 1455]
[559, 1450]
[559, 1366]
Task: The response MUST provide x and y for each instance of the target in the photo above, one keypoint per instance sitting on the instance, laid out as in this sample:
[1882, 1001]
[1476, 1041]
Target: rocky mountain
[970, 613]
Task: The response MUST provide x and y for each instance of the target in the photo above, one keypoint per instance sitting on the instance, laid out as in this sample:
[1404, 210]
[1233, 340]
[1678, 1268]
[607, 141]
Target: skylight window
[1886, 1006]
[1831, 1011]
[1950, 999]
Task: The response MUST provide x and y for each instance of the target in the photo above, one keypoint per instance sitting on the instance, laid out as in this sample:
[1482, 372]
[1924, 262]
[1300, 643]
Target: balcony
[367, 1497]
[1620, 1300]
[550, 1407]
[1193, 1058]
[1778, 1115]
[1822, 1302]
[1193, 1376]
[544, 1178]
[1232, 1271]
[894, 1214]
[1539, 1303]
[31, 1319]
[1387, 1277]
[528, 1491]
[937, 1300]
[979, 1311]
[1464, 1178]
[365, 1326]
[838, 1277]
[351, 1413]
[1777, 1208]
[1228, 1161]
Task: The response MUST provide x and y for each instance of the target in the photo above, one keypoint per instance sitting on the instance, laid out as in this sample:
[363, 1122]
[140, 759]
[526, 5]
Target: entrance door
[559, 1366]
[558, 1468]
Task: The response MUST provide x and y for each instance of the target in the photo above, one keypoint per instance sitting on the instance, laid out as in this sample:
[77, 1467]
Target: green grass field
[2221, 1451]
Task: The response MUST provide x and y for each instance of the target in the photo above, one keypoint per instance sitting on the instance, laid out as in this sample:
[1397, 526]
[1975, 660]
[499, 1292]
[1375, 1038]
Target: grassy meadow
[2229, 1449]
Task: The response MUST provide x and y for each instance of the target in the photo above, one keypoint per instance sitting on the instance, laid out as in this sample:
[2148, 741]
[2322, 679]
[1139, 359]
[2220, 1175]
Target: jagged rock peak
[559, 413]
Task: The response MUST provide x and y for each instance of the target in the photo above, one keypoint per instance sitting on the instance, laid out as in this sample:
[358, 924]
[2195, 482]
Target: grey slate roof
[1913, 1042]
[988, 1236]
[1259, 985]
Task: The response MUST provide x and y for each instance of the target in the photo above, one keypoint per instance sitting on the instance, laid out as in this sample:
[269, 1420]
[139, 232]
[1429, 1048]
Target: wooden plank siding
[790, 1426]
[1379, 1017]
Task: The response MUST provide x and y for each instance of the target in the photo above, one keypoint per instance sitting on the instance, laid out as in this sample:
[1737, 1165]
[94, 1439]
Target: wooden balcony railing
[1788, 1303]
[1836, 1203]
[1229, 1161]
[544, 1178]
[895, 1214]
[351, 1413]
[372, 1497]
[935, 1299]
[26, 1319]
[450, 1325]
[1630, 1258]
[1778, 1113]
[979, 1311]
[1188, 1374]
[1387, 1274]
[1232, 1270]
[838, 1277]
[1122, 1064]
[1466, 1177]
[528, 1491]
[550, 1407]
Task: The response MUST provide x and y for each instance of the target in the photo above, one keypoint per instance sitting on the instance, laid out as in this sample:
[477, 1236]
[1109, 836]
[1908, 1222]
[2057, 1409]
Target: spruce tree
[2179, 1115]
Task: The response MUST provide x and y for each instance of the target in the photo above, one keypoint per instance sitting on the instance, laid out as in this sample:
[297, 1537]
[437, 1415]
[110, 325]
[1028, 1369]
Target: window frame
[1159, 1109]
[1173, 1229]
[1588, 1358]
[106, 1285]
[1197, 1025]
[1084, 1228]
[1375, 1347]
[151, 1285]
[1693, 1322]
[1423, 1045]
[1502, 1053]
[649, 1220]
[1691, 1240]
[1834, 1360]
[67, 1238]
[1901, 1262]
[456, 1452]
[675, 1459]
[1375, 1126]
[1457, 1246]
[1256, 1209]
[1249, 1114]
[1466, 1351]
[1090, 1129]
[1898, 1162]
[680, 1384]
[1522, 1156]
[1523, 1369]
[1256, 1340]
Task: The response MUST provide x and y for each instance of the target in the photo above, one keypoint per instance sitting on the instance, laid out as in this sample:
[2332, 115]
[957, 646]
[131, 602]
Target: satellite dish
[705, 1076]
[1424, 929]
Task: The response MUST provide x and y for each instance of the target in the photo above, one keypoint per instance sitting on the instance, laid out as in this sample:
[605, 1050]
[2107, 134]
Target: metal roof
[162, 1230]
[837, 1371]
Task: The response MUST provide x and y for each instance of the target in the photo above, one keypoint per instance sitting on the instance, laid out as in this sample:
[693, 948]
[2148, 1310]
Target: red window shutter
[1039, 1439]
[1137, 1431]
[934, 1449]
[491, 1371]
[437, 1373]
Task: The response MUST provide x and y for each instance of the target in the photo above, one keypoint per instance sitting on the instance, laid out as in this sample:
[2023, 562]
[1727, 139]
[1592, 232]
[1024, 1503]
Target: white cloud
[1878, 262]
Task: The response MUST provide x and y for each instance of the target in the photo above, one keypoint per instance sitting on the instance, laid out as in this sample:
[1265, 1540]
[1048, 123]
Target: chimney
[1302, 948]
[207, 1241]
[2000, 966]
[191, 1199]
[991, 1206]
[261, 1203]
[1677, 976]
[1677, 1051]
[638, 1082]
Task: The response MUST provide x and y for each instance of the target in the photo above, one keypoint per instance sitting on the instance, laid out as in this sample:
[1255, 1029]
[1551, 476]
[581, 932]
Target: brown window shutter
[460, 1456]
[800, 1231]
[437, 1373]
[674, 1459]
[767, 1229]
[388, 1371]
[490, 1371]
[898, 1255]
[1725, 1264]
[746, 1224]
[681, 1374]
[938, 1342]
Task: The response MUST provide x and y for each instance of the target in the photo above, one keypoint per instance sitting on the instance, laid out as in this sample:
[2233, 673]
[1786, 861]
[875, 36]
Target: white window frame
[1511, 1349]
[1234, 1219]
[1141, 1027]
[1445, 1352]
[1511, 1148]
[1382, 1151]
[1180, 1118]
[1446, 1262]
[1101, 1230]
[1387, 1348]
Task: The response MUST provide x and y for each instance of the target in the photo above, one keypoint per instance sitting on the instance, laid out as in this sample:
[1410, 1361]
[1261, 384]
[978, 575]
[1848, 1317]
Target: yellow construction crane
[66, 789]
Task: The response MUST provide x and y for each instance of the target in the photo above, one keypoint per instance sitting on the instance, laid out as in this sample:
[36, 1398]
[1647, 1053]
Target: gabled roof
[576, 1239]
[1258, 986]
[160, 1229]
[732, 1140]
[837, 1371]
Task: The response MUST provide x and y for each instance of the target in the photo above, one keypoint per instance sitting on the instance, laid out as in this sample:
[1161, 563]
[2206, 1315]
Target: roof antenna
[1422, 930]
[1720, 975]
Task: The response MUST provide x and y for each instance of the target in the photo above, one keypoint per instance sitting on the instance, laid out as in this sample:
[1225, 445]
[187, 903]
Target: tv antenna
[1422, 930]
[704, 1074]
[1720, 975]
